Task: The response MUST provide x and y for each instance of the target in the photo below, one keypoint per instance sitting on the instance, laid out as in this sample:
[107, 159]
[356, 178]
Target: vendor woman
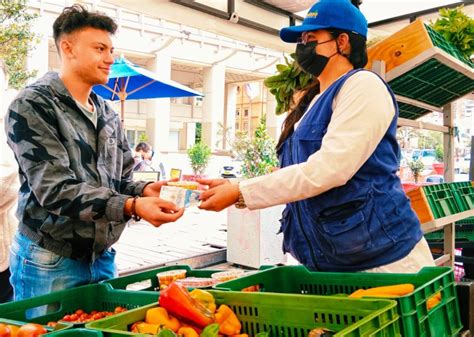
[345, 206]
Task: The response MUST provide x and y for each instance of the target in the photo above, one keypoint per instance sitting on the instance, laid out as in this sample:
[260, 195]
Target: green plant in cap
[199, 155]
[257, 154]
[416, 167]
[289, 79]
[457, 28]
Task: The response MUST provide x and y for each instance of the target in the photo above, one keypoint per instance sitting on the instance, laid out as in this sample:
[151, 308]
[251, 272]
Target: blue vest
[366, 223]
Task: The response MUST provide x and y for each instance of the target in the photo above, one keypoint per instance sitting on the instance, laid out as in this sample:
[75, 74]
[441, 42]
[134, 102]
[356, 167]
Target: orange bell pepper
[177, 301]
[187, 332]
[229, 324]
[160, 316]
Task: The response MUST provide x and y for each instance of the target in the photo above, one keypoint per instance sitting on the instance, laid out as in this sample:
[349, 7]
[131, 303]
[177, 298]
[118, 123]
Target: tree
[16, 40]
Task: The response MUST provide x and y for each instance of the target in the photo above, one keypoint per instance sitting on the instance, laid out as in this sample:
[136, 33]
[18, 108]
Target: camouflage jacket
[74, 177]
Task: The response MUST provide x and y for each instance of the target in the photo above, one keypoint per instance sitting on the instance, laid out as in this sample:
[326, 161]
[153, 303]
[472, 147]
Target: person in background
[142, 164]
[146, 159]
[346, 209]
[75, 166]
[9, 185]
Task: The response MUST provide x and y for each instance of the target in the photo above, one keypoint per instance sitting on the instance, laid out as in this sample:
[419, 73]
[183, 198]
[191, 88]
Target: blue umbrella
[129, 81]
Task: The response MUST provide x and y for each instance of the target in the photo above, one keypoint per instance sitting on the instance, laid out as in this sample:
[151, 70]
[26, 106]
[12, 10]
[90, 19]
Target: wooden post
[448, 143]
[471, 167]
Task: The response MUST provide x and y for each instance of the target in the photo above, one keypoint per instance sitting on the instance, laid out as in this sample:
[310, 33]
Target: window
[135, 136]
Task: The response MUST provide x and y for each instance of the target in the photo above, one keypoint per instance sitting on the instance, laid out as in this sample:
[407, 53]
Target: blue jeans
[37, 271]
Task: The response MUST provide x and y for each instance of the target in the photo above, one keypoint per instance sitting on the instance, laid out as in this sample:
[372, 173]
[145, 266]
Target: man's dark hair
[77, 17]
[142, 146]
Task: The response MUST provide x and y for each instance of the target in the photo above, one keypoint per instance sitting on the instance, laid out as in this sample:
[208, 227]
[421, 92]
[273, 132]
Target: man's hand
[153, 189]
[155, 210]
[219, 197]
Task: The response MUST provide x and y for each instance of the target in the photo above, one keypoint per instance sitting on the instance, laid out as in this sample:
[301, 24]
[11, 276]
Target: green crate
[51, 331]
[286, 315]
[76, 333]
[441, 200]
[415, 320]
[440, 42]
[150, 278]
[412, 112]
[57, 304]
[432, 82]
[463, 232]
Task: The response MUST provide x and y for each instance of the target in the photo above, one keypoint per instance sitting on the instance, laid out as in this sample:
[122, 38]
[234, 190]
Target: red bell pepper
[176, 299]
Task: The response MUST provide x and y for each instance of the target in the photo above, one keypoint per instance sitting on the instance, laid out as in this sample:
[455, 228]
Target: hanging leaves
[457, 28]
[290, 79]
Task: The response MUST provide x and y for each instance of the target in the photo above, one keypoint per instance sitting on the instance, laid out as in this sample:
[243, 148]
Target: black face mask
[310, 61]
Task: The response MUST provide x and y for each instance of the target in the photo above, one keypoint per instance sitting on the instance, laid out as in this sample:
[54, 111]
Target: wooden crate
[423, 69]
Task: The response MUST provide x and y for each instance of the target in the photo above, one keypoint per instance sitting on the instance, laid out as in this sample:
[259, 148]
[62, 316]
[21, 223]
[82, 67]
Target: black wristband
[135, 217]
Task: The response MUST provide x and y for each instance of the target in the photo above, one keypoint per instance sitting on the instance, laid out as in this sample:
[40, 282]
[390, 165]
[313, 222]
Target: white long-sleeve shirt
[362, 112]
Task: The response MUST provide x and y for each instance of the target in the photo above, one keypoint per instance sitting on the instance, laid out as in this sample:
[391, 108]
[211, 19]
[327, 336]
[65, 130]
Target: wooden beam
[422, 125]
[448, 144]
[419, 104]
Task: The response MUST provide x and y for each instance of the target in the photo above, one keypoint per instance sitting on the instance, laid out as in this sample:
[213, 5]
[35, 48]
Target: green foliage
[16, 40]
[142, 137]
[416, 167]
[257, 154]
[197, 138]
[457, 28]
[199, 155]
[290, 79]
[439, 153]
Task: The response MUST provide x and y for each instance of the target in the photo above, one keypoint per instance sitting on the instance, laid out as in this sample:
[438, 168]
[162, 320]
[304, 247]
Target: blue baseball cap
[325, 14]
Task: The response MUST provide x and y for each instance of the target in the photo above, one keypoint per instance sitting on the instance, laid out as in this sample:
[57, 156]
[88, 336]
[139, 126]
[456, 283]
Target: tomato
[14, 330]
[5, 331]
[31, 330]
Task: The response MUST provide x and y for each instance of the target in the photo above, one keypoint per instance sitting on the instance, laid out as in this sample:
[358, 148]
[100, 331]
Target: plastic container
[147, 280]
[189, 185]
[416, 321]
[76, 333]
[55, 305]
[165, 278]
[287, 315]
[227, 275]
[197, 282]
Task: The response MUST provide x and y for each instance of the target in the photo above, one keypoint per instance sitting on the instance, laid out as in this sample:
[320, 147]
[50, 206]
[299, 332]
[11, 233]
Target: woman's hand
[211, 183]
[219, 196]
[153, 189]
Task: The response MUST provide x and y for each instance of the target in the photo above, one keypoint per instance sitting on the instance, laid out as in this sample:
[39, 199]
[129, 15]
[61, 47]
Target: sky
[375, 10]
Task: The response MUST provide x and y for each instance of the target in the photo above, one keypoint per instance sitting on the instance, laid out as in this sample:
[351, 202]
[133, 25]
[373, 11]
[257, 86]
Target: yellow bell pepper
[229, 324]
[187, 332]
[147, 328]
[160, 316]
[205, 298]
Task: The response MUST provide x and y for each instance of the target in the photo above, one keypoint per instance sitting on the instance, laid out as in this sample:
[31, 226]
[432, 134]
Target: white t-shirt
[362, 112]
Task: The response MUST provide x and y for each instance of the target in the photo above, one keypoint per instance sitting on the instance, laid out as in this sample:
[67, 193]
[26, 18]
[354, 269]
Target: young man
[75, 164]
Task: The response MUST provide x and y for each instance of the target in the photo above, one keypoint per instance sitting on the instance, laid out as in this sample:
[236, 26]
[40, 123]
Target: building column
[231, 107]
[274, 122]
[38, 58]
[213, 103]
[159, 110]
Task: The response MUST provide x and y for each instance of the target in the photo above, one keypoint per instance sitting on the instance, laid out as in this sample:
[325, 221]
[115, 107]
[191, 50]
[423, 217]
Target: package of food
[181, 197]
[189, 185]
[165, 278]
[224, 276]
[197, 282]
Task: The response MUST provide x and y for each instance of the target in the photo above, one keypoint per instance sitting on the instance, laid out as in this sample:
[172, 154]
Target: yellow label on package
[181, 197]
